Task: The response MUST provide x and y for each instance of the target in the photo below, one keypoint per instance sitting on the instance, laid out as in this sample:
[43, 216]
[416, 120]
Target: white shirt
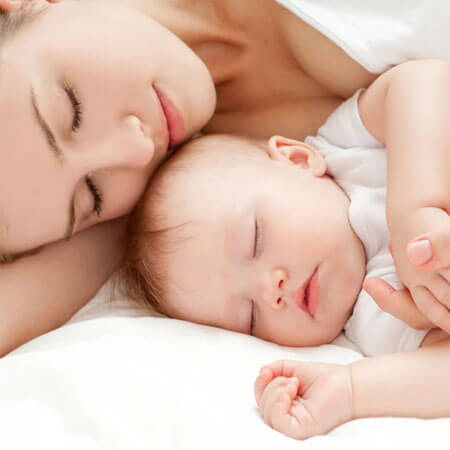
[357, 162]
[380, 33]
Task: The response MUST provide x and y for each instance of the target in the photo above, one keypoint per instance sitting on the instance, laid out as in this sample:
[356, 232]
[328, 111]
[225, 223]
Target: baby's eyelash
[252, 317]
[257, 239]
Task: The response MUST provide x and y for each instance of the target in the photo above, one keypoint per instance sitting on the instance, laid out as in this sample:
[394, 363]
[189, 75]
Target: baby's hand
[14, 5]
[303, 399]
[423, 266]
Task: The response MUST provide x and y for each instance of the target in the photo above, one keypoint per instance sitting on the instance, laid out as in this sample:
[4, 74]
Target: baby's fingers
[272, 394]
[283, 420]
[293, 419]
[262, 380]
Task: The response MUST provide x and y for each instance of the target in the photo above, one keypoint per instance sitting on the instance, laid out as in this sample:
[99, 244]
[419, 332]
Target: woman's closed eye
[76, 106]
[96, 195]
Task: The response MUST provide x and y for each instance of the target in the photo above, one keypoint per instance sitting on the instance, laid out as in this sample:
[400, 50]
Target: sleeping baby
[275, 239]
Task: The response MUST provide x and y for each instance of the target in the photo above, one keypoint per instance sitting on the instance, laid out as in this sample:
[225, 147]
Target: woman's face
[92, 95]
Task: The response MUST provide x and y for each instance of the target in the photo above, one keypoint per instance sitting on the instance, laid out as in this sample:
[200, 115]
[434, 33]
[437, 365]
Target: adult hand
[14, 5]
[304, 399]
[425, 302]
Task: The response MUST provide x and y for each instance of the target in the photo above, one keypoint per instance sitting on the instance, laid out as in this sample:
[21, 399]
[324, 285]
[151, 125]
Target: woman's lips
[307, 295]
[173, 118]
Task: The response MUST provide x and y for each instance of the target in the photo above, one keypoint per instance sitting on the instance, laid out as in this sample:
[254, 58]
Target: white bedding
[113, 379]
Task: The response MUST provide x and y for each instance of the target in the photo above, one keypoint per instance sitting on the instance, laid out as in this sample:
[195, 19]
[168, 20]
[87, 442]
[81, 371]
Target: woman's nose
[127, 145]
[272, 287]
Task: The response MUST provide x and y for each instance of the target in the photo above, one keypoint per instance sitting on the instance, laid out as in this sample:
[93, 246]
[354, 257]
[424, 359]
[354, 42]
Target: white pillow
[163, 384]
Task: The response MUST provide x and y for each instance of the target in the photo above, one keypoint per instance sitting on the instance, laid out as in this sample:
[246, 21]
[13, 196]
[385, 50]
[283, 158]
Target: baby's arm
[408, 109]
[41, 292]
[306, 399]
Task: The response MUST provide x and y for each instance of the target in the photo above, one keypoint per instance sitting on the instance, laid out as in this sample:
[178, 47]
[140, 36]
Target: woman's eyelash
[96, 193]
[257, 239]
[76, 105]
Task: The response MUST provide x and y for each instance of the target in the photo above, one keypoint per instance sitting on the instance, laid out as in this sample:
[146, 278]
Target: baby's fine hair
[151, 239]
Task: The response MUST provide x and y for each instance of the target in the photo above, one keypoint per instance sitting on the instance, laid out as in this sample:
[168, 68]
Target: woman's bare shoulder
[321, 58]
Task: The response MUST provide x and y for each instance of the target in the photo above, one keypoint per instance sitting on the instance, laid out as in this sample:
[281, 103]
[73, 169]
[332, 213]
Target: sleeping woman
[99, 92]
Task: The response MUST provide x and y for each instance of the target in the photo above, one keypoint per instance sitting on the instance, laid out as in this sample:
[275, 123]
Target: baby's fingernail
[293, 379]
[420, 252]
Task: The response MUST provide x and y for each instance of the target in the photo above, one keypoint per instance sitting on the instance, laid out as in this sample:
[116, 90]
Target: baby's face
[267, 248]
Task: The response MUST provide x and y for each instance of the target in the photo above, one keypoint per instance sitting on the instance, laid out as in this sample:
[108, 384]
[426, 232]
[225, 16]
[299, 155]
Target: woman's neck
[219, 32]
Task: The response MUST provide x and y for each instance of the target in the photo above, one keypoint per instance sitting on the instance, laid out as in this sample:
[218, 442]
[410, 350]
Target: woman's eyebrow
[57, 151]
[9, 258]
[51, 139]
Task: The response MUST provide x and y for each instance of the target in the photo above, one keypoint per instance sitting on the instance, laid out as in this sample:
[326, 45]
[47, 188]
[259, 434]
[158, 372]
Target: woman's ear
[297, 153]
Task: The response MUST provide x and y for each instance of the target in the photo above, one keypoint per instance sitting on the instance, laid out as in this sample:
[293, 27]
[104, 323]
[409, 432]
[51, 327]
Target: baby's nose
[273, 287]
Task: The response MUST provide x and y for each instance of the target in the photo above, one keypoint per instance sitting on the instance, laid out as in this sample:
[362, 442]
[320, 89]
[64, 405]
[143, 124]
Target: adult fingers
[430, 307]
[439, 288]
[397, 303]
[430, 252]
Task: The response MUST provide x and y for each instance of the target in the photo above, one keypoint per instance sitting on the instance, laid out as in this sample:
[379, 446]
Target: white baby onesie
[357, 162]
[380, 33]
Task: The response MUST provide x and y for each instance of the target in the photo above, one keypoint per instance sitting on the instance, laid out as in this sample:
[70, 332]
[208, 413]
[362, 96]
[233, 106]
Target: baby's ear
[297, 153]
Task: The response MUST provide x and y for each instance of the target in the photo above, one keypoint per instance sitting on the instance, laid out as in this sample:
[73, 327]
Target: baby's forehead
[221, 152]
[202, 169]
[224, 143]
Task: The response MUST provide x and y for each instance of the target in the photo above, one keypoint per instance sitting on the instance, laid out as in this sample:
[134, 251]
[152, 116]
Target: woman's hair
[12, 22]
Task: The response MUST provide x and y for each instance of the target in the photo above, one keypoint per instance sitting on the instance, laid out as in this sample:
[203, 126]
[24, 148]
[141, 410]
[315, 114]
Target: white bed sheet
[115, 379]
